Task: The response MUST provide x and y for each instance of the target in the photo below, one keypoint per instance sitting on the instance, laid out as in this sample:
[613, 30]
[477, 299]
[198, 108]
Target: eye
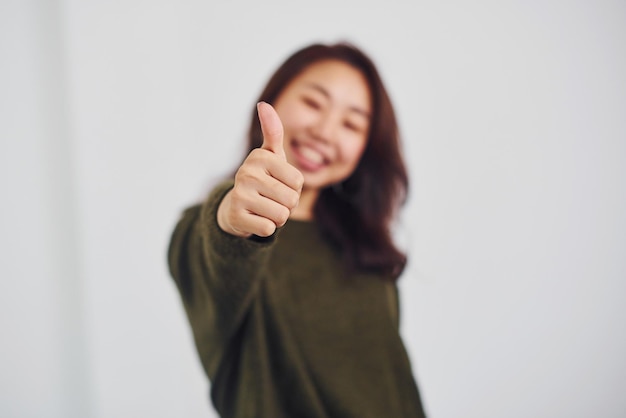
[313, 104]
[352, 126]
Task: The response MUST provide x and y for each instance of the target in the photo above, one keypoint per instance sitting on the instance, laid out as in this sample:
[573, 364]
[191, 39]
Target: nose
[324, 128]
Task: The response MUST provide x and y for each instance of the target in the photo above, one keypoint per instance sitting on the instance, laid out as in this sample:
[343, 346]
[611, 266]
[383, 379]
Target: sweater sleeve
[216, 274]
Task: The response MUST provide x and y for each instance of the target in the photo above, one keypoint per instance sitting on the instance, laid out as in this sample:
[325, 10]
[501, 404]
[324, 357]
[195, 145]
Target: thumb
[272, 129]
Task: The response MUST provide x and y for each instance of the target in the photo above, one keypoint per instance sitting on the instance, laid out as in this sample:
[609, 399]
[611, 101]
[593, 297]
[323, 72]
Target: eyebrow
[325, 92]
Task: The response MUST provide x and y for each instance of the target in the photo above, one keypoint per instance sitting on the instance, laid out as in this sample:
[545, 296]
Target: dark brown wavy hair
[357, 214]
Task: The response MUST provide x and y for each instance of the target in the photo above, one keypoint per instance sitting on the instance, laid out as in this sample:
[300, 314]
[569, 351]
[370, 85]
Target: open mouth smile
[307, 157]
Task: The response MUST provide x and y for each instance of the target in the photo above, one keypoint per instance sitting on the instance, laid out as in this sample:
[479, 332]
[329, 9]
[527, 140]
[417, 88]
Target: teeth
[312, 155]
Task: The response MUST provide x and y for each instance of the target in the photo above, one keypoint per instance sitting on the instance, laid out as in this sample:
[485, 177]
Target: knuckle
[255, 153]
[258, 156]
[243, 174]
[292, 200]
[299, 180]
[282, 216]
[236, 196]
[267, 229]
[247, 178]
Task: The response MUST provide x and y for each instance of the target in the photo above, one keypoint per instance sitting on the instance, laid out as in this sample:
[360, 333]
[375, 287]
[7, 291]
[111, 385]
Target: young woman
[287, 272]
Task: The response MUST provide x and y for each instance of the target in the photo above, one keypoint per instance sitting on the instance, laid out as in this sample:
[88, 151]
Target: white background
[115, 115]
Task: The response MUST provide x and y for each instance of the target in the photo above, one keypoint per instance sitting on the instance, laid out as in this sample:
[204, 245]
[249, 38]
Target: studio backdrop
[116, 115]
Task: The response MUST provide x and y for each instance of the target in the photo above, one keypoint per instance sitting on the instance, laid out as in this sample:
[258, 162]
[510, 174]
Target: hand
[267, 188]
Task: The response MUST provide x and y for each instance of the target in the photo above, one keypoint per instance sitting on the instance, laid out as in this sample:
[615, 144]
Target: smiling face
[325, 112]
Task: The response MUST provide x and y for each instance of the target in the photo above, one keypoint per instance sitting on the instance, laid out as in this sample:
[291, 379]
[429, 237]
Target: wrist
[222, 218]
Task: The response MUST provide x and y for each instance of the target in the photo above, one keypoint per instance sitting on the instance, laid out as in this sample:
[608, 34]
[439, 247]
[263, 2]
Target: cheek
[352, 152]
[293, 116]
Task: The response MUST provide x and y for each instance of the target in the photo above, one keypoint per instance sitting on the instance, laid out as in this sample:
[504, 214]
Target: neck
[304, 210]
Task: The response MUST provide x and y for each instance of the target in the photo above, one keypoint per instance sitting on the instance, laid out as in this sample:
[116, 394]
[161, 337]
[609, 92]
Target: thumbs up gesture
[266, 187]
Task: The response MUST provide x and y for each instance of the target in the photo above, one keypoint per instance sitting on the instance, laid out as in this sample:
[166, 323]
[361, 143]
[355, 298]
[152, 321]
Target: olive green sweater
[280, 329]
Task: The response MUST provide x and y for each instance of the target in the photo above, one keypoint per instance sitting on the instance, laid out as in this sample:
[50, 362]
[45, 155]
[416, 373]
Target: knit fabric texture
[282, 330]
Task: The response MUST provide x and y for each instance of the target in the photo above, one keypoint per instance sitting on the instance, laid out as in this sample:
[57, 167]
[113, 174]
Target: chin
[311, 183]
